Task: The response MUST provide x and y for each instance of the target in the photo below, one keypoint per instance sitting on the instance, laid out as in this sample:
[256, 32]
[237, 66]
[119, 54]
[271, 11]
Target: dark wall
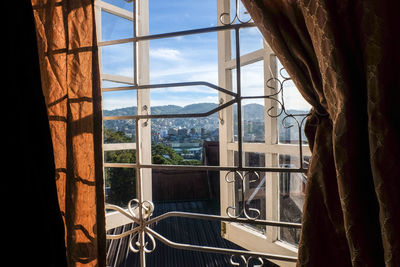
[172, 185]
[211, 158]
[36, 226]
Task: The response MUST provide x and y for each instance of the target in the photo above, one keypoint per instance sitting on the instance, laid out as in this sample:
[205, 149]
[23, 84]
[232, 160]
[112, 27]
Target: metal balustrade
[140, 210]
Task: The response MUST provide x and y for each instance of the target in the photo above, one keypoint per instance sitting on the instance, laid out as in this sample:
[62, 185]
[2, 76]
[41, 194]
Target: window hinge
[223, 228]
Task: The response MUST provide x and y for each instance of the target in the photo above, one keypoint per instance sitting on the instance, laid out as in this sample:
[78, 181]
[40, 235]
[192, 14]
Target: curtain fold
[70, 82]
[341, 56]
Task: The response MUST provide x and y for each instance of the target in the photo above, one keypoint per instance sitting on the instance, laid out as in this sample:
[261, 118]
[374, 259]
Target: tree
[120, 181]
[110, 136]
[162, 154]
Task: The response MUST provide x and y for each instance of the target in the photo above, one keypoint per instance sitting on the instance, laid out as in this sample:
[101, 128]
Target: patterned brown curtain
[70, 80]
[342, 55]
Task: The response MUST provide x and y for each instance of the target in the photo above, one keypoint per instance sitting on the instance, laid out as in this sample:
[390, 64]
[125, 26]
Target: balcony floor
[177, 229]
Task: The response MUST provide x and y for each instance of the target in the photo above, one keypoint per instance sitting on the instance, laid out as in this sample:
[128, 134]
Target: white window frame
[140, 76]
[244, 236]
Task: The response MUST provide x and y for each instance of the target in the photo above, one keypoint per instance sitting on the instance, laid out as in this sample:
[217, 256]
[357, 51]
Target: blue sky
[179, 59]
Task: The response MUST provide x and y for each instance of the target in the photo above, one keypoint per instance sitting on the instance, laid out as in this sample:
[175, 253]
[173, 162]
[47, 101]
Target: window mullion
[141, 77]
[97, 17]
[271, 138]
[112, 9]
[226, 118]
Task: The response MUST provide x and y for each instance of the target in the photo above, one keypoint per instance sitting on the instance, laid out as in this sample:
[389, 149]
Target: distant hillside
[129, 111]
[198, 108]
[253, 112]
[250, 111]
[168, 109]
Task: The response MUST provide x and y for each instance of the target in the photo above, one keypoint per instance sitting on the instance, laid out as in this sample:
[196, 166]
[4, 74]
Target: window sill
[256, 241]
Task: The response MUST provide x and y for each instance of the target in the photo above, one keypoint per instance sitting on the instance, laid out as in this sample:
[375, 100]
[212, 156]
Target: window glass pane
[233, 44]
[109, 84]
[292, 98]
[253, 159]
[120, 156]
[120, 185]
[250, 189]
[117, 59]
[128, 5]
[118, 131]
[115, 27]
[291, 198]
[289, 129]
[234, 82]
[253, 124]
[249, 37]
[250, 40]
[291, 119]
[119, 103]
[235, 122]
[252, 79]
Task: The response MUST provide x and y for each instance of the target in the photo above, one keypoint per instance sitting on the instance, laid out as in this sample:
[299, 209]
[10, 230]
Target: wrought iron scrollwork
[278, 98]
[236, 17]
[245, 210]
[142, 237]
[136, 243]
[249, 261]
[137, 234]
[140, 213]
[146, 206]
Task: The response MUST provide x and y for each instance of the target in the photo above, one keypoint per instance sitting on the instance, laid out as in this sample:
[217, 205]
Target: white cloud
[116, 103]
[166, 54]
[211, 76]
[116, 100]
[185, 72]
[252, 79]
[187, 89]
[123, 71]
[293, 99]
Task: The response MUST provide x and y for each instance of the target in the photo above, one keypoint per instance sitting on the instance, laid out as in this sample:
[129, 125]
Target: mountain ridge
[250, 111]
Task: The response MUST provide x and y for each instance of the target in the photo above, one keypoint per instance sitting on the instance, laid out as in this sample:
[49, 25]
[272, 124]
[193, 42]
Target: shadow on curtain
[67, 47]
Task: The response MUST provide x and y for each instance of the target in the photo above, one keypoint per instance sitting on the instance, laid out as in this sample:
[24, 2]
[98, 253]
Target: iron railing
[140, 210]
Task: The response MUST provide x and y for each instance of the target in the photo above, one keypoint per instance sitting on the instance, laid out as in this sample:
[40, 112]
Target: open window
[259, 120]
[124, 67]
[271, 135]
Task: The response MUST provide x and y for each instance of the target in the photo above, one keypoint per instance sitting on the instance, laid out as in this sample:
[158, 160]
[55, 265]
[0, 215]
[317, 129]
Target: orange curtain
[343, 57]
[70, 82]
